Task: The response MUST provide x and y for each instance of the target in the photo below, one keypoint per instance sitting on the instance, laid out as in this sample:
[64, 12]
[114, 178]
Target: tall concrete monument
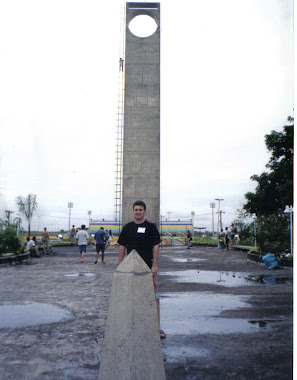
[141, 152]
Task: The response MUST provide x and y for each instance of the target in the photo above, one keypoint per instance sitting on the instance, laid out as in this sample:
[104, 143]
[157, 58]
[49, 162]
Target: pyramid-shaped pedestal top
[133, 263]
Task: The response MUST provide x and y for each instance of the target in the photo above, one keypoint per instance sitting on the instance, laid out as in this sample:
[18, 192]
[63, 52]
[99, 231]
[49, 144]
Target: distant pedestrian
[72, 234]
[45, 241]
[188, 239]
[227, 234]
[121, 61]
[82, 238]
[108, 238]
[100, 237]
[233, 232]
[221, 240]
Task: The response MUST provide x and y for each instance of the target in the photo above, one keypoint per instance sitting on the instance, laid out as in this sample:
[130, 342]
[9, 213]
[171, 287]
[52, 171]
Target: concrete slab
[70, 349]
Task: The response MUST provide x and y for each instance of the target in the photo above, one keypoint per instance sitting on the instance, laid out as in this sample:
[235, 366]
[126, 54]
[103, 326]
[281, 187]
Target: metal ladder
[120, 126]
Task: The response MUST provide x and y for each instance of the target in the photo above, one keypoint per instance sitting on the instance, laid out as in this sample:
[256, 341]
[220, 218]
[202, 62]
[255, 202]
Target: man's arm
[155, 259]
[121, 253]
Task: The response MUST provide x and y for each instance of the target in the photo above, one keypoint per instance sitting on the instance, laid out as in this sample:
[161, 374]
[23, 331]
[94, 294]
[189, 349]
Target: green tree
[27, 206]
[245, 228]
[9, 242]
[273, 192]
[275, 188]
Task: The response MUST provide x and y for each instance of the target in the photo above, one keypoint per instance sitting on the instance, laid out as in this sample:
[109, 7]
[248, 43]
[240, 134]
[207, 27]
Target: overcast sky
[226, 81]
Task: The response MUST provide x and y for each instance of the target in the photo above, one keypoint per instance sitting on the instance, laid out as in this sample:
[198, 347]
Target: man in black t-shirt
[144, 237]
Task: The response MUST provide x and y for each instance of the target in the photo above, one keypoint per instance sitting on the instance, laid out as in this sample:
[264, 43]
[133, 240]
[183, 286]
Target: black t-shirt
[141, 237]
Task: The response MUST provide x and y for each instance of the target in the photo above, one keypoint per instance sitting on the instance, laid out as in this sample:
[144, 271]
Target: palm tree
[27, 206]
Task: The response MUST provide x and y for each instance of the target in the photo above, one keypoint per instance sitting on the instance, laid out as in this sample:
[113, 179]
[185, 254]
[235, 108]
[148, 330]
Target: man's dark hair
[101, 228]
[83, 226]
[139, 203]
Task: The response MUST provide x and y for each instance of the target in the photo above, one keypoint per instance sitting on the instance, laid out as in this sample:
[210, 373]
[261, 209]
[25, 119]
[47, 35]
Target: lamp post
[290, 209]
[212, 206]
[70, 206]
[193, 214]
[89, 213]
[219, 215]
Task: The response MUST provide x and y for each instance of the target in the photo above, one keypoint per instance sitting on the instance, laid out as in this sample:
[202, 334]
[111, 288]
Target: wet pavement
[225, 317]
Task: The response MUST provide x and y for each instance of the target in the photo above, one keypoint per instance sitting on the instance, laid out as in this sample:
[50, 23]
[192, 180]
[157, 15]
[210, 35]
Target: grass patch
[208, 241]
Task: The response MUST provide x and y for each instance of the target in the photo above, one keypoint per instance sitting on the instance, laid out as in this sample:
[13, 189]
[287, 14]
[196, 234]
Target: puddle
[199, 313]
[210, 277]
[269, 279]
[31, 314]
[80, 274]
[228, 279]
[185, 260]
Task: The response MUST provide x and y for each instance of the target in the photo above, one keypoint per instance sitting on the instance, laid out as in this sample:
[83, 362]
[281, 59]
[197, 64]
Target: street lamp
[212, 206]
[89, 213]
[193, 214]
[38, 217]
[219, 214]
[70, 206]
[290, 209]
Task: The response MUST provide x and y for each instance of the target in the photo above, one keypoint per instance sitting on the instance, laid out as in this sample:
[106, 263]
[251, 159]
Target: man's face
[139, 212]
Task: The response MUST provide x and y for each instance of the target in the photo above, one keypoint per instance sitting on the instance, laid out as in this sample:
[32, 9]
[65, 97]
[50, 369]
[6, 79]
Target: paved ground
[219, 325]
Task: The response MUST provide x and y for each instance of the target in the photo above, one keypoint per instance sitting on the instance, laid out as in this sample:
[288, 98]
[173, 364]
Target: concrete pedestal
[131, 347]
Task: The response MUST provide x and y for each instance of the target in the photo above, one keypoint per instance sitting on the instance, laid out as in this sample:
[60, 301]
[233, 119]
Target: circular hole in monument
[143, 26]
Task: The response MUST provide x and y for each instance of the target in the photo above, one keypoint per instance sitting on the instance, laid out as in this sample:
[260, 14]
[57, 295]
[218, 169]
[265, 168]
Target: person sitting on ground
[236, 239]
[31, 247]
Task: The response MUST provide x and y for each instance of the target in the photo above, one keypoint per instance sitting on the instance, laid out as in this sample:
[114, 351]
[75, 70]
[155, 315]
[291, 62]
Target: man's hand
[154, 270]
[155, 259]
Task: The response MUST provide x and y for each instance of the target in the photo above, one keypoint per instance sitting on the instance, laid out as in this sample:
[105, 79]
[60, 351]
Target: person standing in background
[82, 238]
[45, 241]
